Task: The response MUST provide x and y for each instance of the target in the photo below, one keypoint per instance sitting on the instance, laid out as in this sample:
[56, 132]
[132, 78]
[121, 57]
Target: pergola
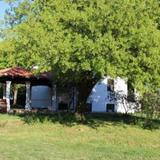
[21, 76]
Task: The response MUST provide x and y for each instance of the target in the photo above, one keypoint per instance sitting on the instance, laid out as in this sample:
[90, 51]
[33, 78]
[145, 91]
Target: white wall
[100, 97]
[120, 88]
[41, 97]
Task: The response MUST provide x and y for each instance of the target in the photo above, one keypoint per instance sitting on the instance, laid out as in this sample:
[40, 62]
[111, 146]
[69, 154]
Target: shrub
[150, 108]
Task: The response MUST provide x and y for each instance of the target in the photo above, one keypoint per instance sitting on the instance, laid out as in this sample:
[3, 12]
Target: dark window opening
[131, 92]
[63, 98]
[110, 108]
[110, 85]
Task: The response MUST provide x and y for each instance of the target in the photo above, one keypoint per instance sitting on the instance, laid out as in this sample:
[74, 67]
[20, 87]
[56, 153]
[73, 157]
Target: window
[131, 91]
[110, 108]
[110, 85]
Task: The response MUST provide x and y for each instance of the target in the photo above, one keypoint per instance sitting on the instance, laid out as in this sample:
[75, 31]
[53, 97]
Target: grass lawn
[41, 138]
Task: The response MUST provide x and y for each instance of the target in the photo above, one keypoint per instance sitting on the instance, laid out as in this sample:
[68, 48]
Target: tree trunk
[84, 90]
[15, 94]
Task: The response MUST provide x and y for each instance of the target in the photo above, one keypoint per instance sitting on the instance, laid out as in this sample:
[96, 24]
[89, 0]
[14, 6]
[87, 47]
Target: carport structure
[17, 75]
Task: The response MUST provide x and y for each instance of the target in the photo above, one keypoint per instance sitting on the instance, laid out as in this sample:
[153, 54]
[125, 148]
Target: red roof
[16, 72]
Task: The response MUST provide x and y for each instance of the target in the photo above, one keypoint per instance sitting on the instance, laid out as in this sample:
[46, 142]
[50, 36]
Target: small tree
[150, 108]
[151, 105]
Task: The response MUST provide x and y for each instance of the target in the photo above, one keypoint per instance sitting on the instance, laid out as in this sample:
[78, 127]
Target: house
[111, 95]
[43, 92]
[108, 95]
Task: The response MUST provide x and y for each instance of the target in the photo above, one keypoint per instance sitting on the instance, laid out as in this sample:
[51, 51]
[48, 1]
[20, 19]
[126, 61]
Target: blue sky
[3, 7]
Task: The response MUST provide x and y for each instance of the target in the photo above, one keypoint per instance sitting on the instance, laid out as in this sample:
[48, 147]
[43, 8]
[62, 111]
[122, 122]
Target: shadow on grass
[93, 120]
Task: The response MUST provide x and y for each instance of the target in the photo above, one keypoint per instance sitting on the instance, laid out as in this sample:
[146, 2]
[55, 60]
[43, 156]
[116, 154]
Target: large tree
[84, 40]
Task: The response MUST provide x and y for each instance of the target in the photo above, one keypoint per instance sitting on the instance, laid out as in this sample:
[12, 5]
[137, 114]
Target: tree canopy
[86, 39]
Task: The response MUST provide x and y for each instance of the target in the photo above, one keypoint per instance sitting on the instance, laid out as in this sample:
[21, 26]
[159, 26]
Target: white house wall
[121, 89]
[100, 97]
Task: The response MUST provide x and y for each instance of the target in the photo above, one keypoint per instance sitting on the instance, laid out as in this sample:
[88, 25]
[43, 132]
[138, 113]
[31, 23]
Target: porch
[10, 77]
[41, 93]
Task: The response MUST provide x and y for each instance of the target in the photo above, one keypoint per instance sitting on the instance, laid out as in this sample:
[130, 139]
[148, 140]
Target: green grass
[56, 137]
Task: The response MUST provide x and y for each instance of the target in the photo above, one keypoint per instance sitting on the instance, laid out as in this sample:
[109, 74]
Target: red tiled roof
[16, 72]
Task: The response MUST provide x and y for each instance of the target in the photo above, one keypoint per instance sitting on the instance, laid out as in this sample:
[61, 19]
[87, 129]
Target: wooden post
[28, 96]
[54, 97]
[4, 91]
[74, 98]
[8, 91]
[15, 94]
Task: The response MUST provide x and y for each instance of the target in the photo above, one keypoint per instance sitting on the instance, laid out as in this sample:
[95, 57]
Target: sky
[3, 7]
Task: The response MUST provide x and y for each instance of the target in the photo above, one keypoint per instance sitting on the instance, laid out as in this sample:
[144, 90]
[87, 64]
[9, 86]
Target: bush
[150, 108]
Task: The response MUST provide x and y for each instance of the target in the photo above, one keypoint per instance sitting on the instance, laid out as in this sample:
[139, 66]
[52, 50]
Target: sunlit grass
[53, 140]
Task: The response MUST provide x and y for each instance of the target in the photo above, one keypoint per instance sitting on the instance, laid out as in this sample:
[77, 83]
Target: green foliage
[151, 105]
[88, 38]
[150, 108]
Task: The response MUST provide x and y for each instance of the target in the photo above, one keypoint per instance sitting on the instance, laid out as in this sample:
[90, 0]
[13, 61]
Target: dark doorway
[110, 108]
[21, 97]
